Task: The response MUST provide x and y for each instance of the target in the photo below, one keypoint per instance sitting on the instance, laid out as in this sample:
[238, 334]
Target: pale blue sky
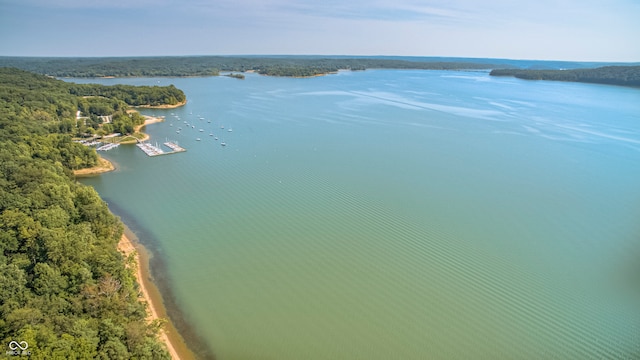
[583, 30]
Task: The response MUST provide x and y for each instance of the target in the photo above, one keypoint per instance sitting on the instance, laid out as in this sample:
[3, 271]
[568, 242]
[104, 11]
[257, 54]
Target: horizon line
[351, 56]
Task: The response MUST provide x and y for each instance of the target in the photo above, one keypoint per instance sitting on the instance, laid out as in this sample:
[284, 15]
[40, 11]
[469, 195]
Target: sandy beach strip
[162, 106]
[147, 121]
[103, 166]
[150, 294]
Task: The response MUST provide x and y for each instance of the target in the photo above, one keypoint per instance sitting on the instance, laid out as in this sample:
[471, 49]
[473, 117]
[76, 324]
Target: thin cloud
[371, 10]
[87, 4]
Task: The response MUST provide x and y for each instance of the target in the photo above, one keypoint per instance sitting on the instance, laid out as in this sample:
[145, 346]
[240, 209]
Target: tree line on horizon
[307, 66]
[64, 287]
[213, 65]
[611, 75]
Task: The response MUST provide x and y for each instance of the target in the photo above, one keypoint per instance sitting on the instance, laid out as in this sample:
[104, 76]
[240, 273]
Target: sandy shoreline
[103, 166]
[148, 120]
[162, 106]
[150, 294]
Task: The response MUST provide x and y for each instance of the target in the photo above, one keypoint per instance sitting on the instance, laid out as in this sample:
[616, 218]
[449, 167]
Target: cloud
[568, 29]
[399, 10]
[86, 4]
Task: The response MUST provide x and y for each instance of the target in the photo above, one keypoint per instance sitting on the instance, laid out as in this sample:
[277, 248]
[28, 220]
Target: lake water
[394, 214]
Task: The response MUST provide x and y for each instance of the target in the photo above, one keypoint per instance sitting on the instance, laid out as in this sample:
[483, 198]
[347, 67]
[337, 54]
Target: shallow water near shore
[394, 214]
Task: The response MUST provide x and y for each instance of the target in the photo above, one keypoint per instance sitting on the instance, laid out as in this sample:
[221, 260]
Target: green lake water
[393, 215]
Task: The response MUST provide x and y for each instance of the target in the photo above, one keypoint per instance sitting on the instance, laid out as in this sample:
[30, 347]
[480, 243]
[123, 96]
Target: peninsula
[59, 264]
[611, 75]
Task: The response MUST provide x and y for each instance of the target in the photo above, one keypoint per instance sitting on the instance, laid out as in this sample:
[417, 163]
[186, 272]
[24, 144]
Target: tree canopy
[213, 65]
[53, 104]
[612, 75]
[64, 287]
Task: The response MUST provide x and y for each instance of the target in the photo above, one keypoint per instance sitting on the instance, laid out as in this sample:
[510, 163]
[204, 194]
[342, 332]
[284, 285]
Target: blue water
[395, 214]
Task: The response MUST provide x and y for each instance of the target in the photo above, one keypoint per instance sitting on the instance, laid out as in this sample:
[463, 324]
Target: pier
[108, 147]
[175, 147]
[152, 150]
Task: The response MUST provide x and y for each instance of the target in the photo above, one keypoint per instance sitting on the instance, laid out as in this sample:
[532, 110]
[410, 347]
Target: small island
[235, 76]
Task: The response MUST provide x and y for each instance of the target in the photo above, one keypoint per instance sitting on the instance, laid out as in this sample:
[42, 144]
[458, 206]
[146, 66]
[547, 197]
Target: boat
[221, 126]
[201, 130]
[223, 143]
[170, 124]
[211, 134]
[193, 126]
[197, 139]
[215, 138]
[230, 130]
[177, 131]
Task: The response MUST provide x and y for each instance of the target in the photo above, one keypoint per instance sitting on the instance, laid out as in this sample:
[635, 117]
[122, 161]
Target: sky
[574, 30]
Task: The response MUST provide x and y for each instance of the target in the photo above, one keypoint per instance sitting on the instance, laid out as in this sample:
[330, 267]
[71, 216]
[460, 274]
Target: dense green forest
[213, 65]
[64, 287]
[54, 103]
[612, 75]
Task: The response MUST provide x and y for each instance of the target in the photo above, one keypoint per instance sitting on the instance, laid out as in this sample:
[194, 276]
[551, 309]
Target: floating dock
[175, 147]
[152, 150]
[108, 147]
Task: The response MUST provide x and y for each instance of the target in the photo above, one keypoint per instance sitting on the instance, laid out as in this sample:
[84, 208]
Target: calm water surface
[395, 214]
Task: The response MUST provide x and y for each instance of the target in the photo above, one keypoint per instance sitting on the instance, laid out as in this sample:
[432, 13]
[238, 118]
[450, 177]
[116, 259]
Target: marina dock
[175, 147]
[152, 150]
[108, 147]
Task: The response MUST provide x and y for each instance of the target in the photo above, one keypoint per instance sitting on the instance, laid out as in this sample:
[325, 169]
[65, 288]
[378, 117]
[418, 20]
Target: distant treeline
[54, 103]
[65, 289]
[132, 95]
[213, 65]
[612, 75]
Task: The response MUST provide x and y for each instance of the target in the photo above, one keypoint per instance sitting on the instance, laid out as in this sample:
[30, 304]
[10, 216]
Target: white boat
[223, 143]
[197, 139]
[201, 130]
[230, 130]
[211, 134]
[215, 138]
[170, 124]
[221, 126]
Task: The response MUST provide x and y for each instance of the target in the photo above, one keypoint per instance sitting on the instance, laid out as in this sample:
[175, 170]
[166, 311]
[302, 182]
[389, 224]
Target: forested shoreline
[53, 103]
[309, 66]
[213, 65]
[64, 287]
[611, 75]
